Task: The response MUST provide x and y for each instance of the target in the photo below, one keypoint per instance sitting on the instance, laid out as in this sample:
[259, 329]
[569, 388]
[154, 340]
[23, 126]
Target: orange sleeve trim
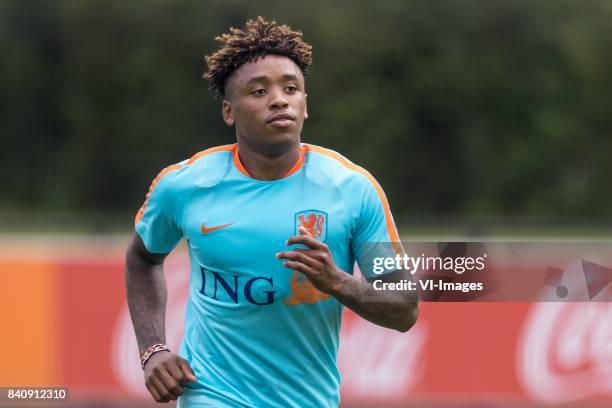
[176, 167]
[391, 230]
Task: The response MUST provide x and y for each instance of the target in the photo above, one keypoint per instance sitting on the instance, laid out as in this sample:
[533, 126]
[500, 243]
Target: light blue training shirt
[256, 333]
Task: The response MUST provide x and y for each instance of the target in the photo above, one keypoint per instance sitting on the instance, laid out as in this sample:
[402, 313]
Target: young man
[273, 228]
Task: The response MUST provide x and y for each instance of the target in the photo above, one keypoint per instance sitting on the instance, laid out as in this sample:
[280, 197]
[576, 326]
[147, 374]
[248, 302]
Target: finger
[319, 256]
[153, 391]
[306, 251]
[189, 374]
[299, 257]
[309, 252]
[306, 240]
[172, 386]
[319, 260]
[161, 388]
[300, 267]
[175, 371]
[303, 231]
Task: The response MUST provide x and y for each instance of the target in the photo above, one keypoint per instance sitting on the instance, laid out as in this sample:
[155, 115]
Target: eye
[291, 89]
[259, 92]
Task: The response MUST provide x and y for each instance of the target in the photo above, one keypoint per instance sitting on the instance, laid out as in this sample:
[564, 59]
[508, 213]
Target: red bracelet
[146, 355]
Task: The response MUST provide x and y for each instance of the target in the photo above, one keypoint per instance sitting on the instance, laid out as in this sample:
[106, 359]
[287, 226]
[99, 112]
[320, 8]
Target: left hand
[316, 262]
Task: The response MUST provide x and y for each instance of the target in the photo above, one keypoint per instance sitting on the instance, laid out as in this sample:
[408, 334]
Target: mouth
[281, 120]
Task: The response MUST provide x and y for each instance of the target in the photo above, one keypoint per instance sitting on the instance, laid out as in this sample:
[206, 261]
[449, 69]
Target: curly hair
[257, 39]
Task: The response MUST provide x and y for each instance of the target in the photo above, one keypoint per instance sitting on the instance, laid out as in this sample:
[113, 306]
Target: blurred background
[480, 118]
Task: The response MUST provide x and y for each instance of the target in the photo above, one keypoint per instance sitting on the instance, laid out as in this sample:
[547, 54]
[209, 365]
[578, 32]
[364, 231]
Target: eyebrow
[265, 78]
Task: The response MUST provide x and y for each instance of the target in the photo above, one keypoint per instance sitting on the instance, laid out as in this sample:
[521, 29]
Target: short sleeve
[375, 233]
[156, 222]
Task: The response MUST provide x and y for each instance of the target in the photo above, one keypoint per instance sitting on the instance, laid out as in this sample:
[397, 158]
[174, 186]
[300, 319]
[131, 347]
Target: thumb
[303, 231]
[189, 374]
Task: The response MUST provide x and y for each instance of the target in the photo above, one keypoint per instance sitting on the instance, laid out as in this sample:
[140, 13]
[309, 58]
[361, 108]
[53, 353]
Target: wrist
[341, 286]
[146, 355]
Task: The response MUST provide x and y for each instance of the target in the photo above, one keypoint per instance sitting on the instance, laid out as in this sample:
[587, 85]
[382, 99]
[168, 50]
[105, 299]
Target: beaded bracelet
[146, 355]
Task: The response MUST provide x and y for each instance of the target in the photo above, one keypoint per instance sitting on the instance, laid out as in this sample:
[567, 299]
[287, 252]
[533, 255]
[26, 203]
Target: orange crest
[315, 223]
[303, 291]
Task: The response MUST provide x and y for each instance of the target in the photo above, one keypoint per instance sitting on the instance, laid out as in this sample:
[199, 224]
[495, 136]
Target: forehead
[272, 67]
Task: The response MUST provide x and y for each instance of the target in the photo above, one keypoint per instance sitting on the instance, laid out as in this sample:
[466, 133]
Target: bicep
[138, 250]
[375, 234]
[157, 222]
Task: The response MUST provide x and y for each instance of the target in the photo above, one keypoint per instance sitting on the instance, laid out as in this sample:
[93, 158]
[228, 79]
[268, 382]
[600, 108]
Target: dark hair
[257, 39]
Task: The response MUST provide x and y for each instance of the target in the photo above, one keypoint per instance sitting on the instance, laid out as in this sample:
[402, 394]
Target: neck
[268, 166]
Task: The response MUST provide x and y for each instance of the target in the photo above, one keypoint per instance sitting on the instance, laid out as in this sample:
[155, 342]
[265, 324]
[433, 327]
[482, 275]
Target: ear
[226, 111]
[305, 106]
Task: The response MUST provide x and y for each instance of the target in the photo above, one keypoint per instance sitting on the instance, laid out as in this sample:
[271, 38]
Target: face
[266, 102]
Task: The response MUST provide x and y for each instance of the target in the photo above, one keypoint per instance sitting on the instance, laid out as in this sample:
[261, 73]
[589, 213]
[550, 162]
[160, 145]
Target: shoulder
[355, 182]
[337, 168]
[174, 182]
[208, 163]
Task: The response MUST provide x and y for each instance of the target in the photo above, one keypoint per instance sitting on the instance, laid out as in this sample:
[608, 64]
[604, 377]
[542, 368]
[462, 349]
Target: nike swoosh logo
[208, 230]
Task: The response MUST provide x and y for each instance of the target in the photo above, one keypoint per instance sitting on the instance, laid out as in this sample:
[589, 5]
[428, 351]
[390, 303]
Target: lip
[281, 123]
[281, 118]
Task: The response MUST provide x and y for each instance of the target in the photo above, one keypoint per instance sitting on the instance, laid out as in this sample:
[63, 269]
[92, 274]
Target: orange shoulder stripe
[176, 167]
[391, 230]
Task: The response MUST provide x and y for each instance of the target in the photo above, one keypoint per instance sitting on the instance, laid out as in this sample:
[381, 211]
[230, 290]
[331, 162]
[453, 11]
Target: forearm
[146, 295]
[388, 309]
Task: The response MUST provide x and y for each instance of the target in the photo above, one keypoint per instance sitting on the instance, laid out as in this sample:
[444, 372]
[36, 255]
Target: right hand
[166, 374]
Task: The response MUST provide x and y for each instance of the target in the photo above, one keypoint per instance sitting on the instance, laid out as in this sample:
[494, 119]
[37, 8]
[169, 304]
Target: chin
[285, 138]
[272, 141]
[277, 143]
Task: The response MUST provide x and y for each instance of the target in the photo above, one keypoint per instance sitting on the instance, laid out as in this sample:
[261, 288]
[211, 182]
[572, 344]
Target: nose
[278, 101]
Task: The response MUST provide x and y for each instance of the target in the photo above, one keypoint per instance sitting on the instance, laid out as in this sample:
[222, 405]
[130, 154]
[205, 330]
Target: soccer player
[273, 227]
